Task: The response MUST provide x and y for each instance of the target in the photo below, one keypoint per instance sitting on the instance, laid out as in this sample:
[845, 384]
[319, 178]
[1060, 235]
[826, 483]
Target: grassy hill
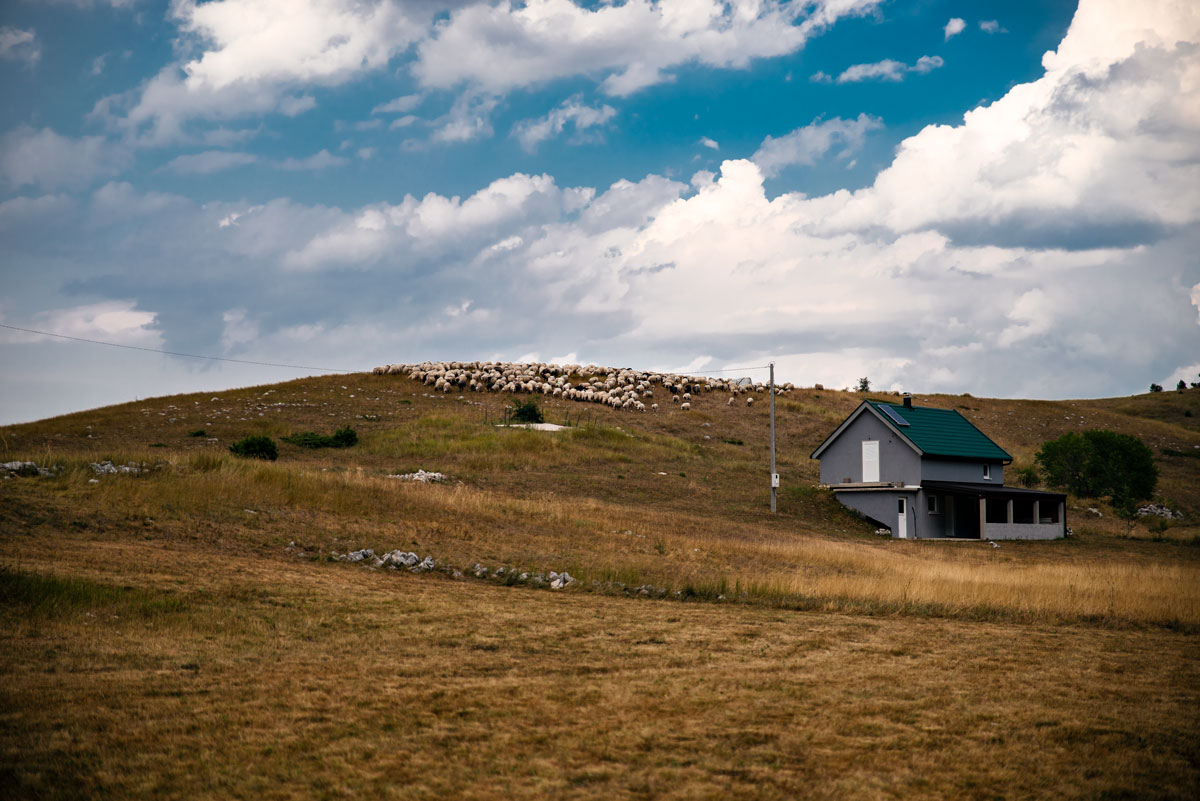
[187, 632]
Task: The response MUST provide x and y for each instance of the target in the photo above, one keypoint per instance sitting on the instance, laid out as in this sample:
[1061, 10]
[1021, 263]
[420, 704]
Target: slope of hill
[203, 591]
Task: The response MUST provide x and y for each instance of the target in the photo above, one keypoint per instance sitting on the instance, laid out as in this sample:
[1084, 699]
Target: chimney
[907, 400]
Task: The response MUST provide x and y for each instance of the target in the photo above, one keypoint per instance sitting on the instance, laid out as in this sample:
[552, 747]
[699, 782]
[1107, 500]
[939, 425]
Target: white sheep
[749, 401]
[687, 407]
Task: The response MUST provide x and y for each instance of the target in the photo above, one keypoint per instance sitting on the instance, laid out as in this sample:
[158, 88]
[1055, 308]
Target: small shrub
[342, 438]
[864, 384]
[1156, 387]
[528, 412]
[199, 432]
[1028, 476]
[256, 447]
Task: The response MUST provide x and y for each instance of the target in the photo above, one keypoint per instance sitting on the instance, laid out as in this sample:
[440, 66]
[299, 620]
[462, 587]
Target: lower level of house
[952, 510]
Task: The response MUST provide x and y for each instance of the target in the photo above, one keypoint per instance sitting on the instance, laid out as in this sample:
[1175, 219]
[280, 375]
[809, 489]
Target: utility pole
[774, 475]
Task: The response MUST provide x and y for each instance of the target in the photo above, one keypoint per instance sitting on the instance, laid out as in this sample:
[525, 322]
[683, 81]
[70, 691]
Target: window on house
[935, 505]
[987, 472]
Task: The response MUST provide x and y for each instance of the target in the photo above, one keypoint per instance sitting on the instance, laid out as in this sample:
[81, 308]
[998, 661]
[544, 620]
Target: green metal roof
[942, 432]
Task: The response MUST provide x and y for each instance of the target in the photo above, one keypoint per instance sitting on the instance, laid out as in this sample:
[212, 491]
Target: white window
[935, 505]
[987, 472]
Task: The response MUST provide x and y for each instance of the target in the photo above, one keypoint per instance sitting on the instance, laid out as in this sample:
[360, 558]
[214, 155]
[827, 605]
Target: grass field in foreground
[159, 639]
[243, 676]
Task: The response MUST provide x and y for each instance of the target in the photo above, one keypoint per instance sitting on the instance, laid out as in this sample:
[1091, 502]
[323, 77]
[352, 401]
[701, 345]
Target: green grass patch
[342, 438]
[38, 594]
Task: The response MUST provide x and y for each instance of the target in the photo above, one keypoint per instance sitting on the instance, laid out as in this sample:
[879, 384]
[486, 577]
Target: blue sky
[989, 197]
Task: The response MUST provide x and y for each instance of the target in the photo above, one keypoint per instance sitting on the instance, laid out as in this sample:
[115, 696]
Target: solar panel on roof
[895, 415]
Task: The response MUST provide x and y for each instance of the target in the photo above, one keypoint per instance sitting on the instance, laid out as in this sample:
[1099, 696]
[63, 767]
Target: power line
[726, 370]
[176, 353]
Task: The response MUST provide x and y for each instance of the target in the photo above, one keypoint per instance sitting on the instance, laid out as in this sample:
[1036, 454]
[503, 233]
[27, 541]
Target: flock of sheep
[631, 390]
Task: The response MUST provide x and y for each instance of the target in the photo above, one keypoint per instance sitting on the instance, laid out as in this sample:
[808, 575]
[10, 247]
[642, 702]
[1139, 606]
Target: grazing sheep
[730, 403]
[674, 399]
[749, 401]
[687, 407]
[654, 408]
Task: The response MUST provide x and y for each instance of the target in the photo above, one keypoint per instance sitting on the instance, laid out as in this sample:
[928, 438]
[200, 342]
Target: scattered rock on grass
[1157, 510]
[420, 475]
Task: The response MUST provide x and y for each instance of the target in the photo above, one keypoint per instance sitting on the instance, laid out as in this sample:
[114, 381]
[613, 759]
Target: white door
[902, 519]
[870, 460]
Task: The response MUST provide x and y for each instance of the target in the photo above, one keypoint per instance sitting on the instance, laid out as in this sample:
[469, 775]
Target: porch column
[1009, 505]
[982, 517]
[1037, 512]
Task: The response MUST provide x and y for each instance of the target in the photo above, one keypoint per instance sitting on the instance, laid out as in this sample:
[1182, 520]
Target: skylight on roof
[895, 415]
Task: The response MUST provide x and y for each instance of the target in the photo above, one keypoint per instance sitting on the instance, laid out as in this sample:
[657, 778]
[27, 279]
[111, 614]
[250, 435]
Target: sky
[995, 198]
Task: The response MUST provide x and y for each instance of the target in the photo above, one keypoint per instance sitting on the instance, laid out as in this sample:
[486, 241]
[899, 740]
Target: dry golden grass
[158, 640]
[278, 678]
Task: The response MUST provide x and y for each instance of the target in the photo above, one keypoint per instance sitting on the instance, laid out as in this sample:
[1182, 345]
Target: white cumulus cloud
[805, 145]
[17, 44]
[503, 46]
[531, 133]
[888, 70]
[954, 27]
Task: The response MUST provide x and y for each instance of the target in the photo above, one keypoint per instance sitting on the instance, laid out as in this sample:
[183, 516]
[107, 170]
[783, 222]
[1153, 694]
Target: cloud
[435, 225]
[531, 133]
[283, 41]
[805, 145]
[17, 44]
[991, 26]
[251, 57]
[500, 47]
[320, 160]
[888, 70]
[116, 321]
[820, 77]
[469, 118]
[401, 105]
[208, 162]
[711, 144]
[1042, 246]
[954, 27]
[46, 159]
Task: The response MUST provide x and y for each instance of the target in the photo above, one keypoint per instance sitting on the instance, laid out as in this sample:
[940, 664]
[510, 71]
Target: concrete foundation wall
[882, 506]
[1023, 531]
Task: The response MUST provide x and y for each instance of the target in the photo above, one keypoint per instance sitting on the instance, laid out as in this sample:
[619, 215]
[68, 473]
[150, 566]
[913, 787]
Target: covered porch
[972, 511]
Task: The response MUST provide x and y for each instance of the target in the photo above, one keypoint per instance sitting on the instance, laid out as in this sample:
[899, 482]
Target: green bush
[1028, 476]
[1100, 463]
[528, 412]
[199, 432]
[342, 438]
[256, 447]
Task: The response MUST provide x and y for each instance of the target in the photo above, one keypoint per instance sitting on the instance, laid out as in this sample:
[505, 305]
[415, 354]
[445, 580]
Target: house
[928, 473]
